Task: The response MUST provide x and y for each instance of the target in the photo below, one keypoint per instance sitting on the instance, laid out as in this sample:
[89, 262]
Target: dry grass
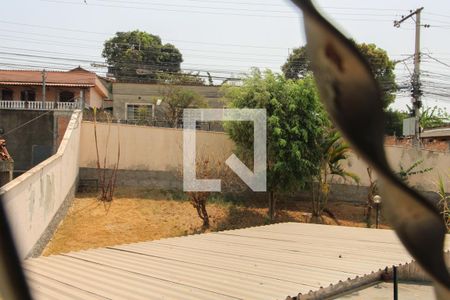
[142, 215]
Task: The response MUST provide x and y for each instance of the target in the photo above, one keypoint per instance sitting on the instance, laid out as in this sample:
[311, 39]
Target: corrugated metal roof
[436, 133]
[268, 262]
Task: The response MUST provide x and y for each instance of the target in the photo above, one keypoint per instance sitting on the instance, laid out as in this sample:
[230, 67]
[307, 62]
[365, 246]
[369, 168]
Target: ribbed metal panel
[268, 262]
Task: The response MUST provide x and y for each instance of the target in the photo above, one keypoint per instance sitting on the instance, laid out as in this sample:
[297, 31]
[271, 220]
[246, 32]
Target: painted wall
[33, 199]
[439, 161]
[22, 139]
[135, 93]
[92, 96]
[146, 148]
[160, 149]
[94, 99]
[51, 93]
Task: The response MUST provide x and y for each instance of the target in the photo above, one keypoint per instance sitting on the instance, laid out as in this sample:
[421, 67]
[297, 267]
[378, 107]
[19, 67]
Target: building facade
[131, 98]
[31, 87]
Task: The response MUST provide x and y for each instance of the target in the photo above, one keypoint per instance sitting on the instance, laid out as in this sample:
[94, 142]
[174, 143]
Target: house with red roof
[33, 89]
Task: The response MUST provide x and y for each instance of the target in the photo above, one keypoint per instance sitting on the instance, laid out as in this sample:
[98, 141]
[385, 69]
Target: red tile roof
[75, 77]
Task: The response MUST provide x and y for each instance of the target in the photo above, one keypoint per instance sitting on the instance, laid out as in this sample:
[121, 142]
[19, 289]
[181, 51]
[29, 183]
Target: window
[139, 111]
[28, 95]
[66, 96]
[7, 95]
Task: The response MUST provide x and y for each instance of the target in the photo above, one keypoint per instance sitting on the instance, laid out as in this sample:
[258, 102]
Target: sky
[225, 38]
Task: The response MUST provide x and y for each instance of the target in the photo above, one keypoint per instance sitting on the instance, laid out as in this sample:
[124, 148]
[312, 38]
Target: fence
[36, 201]
[39, 105]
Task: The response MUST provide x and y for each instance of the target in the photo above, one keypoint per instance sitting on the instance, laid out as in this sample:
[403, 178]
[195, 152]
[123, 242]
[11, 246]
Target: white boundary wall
[33, 199]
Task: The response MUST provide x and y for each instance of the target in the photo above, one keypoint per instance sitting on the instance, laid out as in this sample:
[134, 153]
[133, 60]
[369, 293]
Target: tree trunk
[205, 216]
[271, 205]
[331, 215]
[313, 199]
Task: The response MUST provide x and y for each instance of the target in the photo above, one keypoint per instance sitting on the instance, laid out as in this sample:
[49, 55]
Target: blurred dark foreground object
[353, 99]
[12, 280]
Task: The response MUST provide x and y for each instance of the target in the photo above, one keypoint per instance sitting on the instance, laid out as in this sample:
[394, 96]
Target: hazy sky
[223, 37]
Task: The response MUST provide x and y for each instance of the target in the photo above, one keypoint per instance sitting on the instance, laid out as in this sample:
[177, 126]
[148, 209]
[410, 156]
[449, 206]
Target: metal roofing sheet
[268, 262]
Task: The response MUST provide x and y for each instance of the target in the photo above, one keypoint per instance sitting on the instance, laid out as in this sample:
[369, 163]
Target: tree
[107, 180]
[394, 122]
[333, 150]
[208, 167]
[432, 117]
[298, 66]
[175, 99]
[295, 122]
[382, 69]
[138, 55]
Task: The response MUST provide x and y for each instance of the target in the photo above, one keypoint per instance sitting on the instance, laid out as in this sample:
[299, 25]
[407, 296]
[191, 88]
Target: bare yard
[143, 215]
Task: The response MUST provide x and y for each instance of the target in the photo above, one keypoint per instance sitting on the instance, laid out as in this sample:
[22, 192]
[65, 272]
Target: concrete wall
[151, 157]
[135, 93]
[146, 148]
[36, 201]
[34, 136]
[439, 161]
[26, 137]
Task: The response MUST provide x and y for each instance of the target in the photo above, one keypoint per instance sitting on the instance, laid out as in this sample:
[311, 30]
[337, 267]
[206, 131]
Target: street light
[377, 201]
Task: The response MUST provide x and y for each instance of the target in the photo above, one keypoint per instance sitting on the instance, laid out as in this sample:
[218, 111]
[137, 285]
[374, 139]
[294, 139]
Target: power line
[231, 13]
[65, 29]
[437, 60]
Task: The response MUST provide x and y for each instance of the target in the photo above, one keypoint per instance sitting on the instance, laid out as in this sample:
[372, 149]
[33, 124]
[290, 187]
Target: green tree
[298, 65]
[175, 99]
[295, 122]
[432, 117]
[138, 55]
[382, 69]
[394, 122]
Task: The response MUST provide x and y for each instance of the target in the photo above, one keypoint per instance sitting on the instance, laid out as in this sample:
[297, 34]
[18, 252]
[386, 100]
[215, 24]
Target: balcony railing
[39, 105]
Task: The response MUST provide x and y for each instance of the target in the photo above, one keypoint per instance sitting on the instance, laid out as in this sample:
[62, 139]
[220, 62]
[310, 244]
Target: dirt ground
[143, 215]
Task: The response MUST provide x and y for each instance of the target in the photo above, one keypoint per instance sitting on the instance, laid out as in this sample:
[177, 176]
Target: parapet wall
[36, 201]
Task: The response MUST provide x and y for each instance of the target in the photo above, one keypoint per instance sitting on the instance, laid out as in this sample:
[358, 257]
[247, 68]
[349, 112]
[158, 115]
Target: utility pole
[44, 78]
[416, 86]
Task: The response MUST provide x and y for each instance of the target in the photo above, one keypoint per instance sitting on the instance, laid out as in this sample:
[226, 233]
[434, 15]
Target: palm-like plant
[334, 150]
[444, 202]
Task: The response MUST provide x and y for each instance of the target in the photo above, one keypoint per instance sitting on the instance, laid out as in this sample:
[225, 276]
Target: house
[440, 137]
[130, 98]
[36, 107]
[24, 89]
